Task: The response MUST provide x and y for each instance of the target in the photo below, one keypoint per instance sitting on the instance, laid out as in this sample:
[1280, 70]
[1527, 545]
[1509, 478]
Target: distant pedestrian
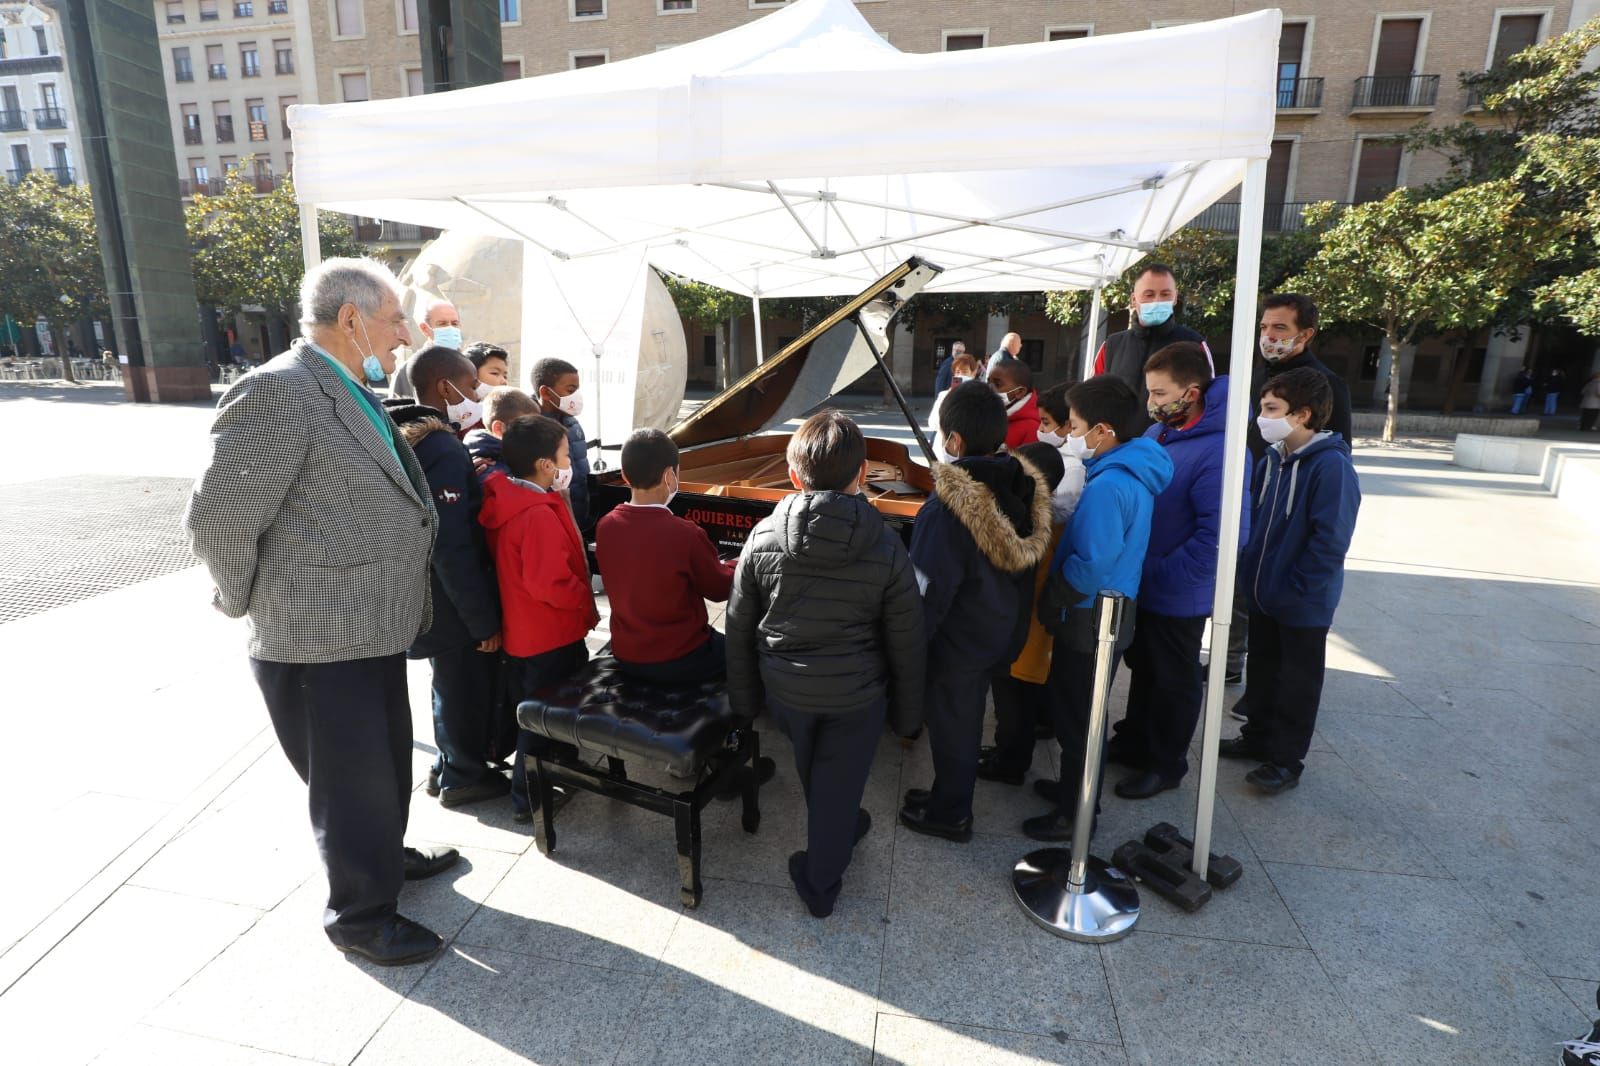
[1010, 348]
[942, 376]
[1521, 390]
[1589, 403]
[1554, 383]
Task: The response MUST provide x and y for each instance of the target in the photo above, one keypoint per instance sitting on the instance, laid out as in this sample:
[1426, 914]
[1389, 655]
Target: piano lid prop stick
[894, 387]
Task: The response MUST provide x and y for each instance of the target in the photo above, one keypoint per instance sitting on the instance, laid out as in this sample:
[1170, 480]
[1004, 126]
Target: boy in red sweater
[659, 570]
[1012, 379]
[544, 577]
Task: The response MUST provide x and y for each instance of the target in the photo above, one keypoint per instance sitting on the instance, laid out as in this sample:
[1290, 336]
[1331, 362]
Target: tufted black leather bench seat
[686, 730]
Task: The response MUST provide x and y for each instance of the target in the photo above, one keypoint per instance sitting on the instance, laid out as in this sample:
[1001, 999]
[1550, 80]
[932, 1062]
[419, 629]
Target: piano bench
[686, 730]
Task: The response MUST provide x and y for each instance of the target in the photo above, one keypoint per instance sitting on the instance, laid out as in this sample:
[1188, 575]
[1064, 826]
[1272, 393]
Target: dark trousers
[1071, 687]
[953, 712]
[346, 729]
[1019, 706]
[525, 676]
[1238, 628]
[1286, 668]
[463, 714]
[1587, 416]
[708, 662]
[832, 757]
[1164, 693]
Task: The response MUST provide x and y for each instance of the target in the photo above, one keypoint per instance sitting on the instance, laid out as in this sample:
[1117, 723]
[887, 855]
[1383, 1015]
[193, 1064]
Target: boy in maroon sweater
[659, 570]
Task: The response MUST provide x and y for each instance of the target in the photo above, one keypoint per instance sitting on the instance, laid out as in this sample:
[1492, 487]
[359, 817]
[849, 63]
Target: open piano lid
[825, 359]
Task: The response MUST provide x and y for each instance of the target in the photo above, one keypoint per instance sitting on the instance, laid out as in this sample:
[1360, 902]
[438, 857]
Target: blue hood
[1104, 544]
[1141, 459]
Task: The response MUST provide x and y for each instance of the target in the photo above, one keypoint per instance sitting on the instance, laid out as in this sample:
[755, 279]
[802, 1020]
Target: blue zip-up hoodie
[1303, 518]
[1180, 566]
[1104, 544]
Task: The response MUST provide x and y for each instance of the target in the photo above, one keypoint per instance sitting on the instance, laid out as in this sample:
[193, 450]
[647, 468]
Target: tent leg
[1091, 333]
[310, 242]
[761, 350]
[1246, 282]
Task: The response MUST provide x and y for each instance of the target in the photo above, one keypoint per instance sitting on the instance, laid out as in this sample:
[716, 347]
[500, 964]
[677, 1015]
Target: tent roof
[802, 154]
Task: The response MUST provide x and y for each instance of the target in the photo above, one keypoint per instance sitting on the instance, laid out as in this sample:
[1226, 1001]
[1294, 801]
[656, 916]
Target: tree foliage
[51, 268]
[247, 249]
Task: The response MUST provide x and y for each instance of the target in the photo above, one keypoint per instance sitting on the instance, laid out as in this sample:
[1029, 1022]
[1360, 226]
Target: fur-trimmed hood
[416, 420]
[1004, 503]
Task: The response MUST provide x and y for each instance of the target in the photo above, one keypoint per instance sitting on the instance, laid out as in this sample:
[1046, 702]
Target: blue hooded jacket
[1180, 567]
[1104, 544]
[1301, 524]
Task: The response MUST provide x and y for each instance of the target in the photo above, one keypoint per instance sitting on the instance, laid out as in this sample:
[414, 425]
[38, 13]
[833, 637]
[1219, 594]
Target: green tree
[1411, 266]
[52, 266]
[710, 308]
[247, 250]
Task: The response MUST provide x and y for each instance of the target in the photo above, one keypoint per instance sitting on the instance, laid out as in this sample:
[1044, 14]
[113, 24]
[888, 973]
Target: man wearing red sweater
[659, 571]
[1012, 379]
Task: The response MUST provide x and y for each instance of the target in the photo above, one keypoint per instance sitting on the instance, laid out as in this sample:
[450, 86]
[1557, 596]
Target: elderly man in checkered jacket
[315, 521]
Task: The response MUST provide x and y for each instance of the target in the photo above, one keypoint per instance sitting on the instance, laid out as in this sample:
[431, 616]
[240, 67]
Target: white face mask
[958, 380]
[563, 479]
[940, 453]
[1274, 351]
[1079, 446]
[570, 405]
[465, 414]
[1274, 430]
[1055, 440]
[482, 392]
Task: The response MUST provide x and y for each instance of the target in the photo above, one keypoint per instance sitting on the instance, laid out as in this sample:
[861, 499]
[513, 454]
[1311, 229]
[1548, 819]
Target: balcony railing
[1299, 93]
[183, 72]
[16, 177]
[278, 7]
[372, 229]
[218, 71]
[201, 186]
[224, 130]
[263, 182]
[1400, 90]
[250, 70]
[49, 118]
[192, 135]
[284, 65]
[12, 121]
[62, 175]
[1276, 218]
[23, 65]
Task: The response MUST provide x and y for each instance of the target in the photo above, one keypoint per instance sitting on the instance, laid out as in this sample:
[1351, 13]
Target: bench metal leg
[751, 791]
[617, 768]
[686, 816]
[544, 835]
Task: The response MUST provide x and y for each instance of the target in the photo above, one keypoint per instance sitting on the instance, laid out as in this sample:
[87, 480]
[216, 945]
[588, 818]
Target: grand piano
[733, 472]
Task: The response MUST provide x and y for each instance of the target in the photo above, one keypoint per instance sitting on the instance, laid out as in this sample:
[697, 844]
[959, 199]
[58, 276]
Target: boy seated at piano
[660, 570]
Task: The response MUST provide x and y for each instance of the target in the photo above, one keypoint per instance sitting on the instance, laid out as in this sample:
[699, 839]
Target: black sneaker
[1272, 778]
[432, 787]
[1585, 1051]
[1233, 677]
[1242, 747]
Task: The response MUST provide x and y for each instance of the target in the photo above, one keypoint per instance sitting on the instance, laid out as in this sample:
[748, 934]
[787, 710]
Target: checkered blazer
[307, 523]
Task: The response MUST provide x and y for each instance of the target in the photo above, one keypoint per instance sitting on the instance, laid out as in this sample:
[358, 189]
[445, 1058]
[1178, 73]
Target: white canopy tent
[801, 154]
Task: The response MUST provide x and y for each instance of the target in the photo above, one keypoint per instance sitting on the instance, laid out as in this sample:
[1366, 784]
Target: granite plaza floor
[1427, 894]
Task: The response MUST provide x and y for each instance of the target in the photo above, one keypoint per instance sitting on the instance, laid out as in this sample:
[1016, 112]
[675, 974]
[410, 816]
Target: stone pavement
[1426, 895]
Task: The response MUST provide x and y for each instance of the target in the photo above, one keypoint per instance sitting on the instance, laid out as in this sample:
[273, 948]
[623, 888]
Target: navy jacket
[975, 544]
[1180, 565]
[481, 444]
[579, 492]
[1104, 544]
[1300, 528]
[1340, 420]
[466, 599]
[942, 376]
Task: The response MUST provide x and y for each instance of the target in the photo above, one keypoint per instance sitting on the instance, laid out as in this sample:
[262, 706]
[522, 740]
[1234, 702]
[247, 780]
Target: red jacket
[660, 570]
[539, 559]
[1022, 425]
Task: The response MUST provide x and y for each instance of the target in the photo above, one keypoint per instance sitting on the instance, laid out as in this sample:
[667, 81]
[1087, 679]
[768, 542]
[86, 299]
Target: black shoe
[1047, 788]
[422, 863]
[918, 797]
[863, 824]
[1272, 778]
[733, 788]
[432, 787]
[797, 873]
[989, 770]
[492, 787]
[1240, 711]
[399, 942]
[1144, 785]
[916, 819]
[1241, 747]
[1052, 828]
[1233, 677]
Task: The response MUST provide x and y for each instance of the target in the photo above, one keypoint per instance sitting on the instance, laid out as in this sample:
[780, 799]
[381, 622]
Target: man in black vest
[1152, 325]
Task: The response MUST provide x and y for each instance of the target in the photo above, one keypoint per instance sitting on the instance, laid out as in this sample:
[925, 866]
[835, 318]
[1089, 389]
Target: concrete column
[1500, 365]
[999, 326]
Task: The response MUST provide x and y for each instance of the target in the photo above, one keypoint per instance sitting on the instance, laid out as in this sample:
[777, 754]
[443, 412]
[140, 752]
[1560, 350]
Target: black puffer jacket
[825, 613]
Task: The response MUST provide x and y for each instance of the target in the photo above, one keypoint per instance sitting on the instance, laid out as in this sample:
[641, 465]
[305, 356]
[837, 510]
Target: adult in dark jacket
[1179, 573]
[824, 629]
[463, 643]
[1152, 325]
[941, 376]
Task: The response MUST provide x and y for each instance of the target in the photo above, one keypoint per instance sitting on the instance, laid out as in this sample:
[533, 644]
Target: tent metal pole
[310, 242]
[761, 351]
[1092, 332]
[1241, 356]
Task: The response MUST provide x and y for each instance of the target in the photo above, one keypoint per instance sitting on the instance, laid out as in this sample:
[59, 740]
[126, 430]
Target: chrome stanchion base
[1105, 910]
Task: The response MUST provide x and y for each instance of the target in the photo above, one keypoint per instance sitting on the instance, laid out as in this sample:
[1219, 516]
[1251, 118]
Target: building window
[1513, 33]
[191, 124]
[1068, 33]
[244, 9]
[347, 20]
[249, 61]
[965, 40]
[353, 88]
[668, 7]
[755, 4]
[510, 10]
[208, 10]
[1377, 169]
[580, 60]
[587, 9]
[216, 69]
[257, 110]
[284, 104]
[282, 57]
[2, 42]
[174, 12]
[222, 112]
[41, 40]
[510, 69]
[182, 66]
[201, 172]
[278, 7]
[411, 82]
[408, 16]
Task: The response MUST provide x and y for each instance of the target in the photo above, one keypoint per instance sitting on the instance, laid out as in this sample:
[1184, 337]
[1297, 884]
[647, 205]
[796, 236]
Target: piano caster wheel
[751, 822]
[690, 898]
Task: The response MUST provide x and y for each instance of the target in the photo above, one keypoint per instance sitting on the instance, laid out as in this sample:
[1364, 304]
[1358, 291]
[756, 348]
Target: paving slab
[903, 1041]
[148, 1045]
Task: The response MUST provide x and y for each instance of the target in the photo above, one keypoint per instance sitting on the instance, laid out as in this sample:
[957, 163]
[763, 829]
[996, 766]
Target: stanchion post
[1108, 619]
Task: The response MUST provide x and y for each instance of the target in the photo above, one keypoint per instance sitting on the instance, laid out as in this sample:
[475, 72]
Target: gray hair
[336, 282]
